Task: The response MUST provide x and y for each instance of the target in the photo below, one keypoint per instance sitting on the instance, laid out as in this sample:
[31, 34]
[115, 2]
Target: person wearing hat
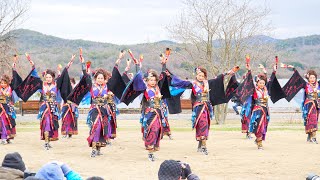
[175, 170]
[12, 167]
[57, 171]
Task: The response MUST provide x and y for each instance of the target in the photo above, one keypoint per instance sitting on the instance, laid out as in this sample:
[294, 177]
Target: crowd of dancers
[102, 90]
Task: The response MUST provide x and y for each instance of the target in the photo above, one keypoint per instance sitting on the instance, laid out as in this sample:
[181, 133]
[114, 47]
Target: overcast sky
[139, 21]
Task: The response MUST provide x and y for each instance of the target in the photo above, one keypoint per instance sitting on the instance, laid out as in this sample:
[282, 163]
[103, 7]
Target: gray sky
[139, 21]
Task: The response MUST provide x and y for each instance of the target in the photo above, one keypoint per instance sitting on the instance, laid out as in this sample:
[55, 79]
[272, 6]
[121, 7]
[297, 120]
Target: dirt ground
[286, 154]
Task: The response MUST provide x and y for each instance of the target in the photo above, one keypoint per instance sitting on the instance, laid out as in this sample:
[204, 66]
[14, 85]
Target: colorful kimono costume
[69, 116]
[310, 109]
[7, 115]
[113, 112]
[260, 115]
[99, 117]
[204, 95]
[245, 114]
[166, 127]
[152, 118]
[49, 112]
[202, 111]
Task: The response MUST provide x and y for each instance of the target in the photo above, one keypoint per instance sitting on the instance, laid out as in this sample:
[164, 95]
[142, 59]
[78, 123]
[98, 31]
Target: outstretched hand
[163, 58]
[275, 67]
[81, 59]
[15, 58]
[121, 54]
[248, 67]
[59, 67]
[29, 59]
[80, 56]
[71, 61]
[233, 70]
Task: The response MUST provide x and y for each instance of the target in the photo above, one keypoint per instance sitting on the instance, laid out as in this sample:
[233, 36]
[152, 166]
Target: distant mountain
[313, 40]
[48, 51]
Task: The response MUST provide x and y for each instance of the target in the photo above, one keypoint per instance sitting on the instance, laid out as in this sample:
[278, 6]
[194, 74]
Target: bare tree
[12, 14]
[218, 33]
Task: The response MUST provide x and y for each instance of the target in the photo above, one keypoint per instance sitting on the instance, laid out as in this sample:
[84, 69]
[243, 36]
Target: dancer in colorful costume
[7, 100]
[52, 91]
[101, 96]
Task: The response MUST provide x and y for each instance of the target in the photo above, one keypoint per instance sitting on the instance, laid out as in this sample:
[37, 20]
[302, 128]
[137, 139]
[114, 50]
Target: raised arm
[121, 55]
[136, 62]
[128, 66]
[15, 59]
[71, 61]
[83, 64]
[30, 61]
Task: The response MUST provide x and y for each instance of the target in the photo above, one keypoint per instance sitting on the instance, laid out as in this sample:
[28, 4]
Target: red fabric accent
[255, 95]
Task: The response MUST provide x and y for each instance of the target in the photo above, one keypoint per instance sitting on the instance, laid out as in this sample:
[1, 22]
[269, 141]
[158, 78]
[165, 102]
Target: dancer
[69, 113]
[259, 95]
[102, 115]
[310, 106]
[7, 100]
[50, 91]
[152, 114]
[205, 93]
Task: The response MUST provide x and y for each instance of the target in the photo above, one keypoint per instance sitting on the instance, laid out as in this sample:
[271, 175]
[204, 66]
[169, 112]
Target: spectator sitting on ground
[175, 170]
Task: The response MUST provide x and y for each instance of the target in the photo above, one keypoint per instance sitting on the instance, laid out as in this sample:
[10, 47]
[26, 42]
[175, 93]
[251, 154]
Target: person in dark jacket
[175, 170]
[12, 167]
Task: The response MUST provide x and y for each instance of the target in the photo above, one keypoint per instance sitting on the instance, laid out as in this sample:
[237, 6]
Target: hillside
[48, 51]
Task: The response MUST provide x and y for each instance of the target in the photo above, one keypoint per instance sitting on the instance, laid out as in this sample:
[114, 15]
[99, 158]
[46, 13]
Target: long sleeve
[29, 86]
[64, 84]
[293, 86]
[83, 66]
[133, 89]
[216, 86]
[82, 88]
[274, 89]
[246, 88]
[116, 84]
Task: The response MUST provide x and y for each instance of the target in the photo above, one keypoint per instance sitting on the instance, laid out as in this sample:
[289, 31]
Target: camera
[312, 176]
